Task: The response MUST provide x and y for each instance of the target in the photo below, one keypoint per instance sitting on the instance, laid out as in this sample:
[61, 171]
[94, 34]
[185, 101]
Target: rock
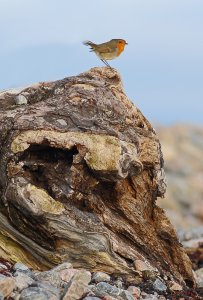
[61, 267]
[159, 285]
[149, 296]
[7, 285]
[15, 296]
[20, 267]
[174, 286]
[126, 295]
[111, 298]
[22, 281]
[47, 287]
[101, 276]
[105, 289]
[67, 274]
[119, 283]
[1, 296]
[135, 291]
[199, 277]
[77, 286]
[91, 298]
[20, 99]
[50, 277]
[37, 293]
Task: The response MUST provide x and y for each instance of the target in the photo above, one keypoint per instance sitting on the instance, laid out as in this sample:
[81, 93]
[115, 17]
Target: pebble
[46, 286]
[66, 275]
[20, 99]
[7, 285]
[49, 276]
[149, 296]
[36, 293]
[174, 286]
[77, 286]
[135, 291]
[159, 285]
[111, 298]
[20, 267]
[91, 298]
[22, 281]
[63, 266]
[126, 295]
[119, 283]
[100, 276]
[104, 289]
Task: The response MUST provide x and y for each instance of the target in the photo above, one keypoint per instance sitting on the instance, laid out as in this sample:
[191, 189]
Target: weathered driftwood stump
[80, 172]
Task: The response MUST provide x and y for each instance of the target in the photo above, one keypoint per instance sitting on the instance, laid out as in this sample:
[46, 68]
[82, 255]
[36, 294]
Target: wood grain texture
[80, 171]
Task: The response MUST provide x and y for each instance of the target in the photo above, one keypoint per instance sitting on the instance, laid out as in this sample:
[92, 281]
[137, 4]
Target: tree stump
[80, 171]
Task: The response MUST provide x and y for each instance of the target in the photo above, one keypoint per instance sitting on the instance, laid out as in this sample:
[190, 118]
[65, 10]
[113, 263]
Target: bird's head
[120, 42]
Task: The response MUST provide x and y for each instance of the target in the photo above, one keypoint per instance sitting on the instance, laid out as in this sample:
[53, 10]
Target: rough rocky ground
[18, 282]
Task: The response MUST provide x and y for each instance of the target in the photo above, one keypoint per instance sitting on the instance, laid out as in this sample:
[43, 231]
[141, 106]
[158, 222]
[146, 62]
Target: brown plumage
[107, 51]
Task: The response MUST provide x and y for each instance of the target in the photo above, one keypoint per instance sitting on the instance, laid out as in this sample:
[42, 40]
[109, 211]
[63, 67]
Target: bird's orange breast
[120, 48]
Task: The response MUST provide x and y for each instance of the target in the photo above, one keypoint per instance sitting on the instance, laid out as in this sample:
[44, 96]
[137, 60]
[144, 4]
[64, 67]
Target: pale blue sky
[162, 67]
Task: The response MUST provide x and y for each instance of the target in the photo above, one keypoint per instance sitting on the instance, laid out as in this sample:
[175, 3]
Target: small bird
[107, 51]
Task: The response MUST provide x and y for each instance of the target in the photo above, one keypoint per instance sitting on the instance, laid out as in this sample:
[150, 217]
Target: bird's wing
[105, 49]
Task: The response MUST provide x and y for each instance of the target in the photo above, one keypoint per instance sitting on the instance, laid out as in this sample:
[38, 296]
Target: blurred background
[161, 68]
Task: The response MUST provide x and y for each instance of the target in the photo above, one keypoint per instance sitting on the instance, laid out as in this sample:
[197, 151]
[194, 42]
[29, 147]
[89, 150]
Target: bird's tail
[89, 43]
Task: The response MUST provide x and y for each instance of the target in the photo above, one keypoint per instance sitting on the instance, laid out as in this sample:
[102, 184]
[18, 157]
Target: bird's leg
[106, 63]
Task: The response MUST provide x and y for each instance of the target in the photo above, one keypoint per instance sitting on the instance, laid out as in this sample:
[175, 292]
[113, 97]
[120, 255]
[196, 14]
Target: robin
[107, 51]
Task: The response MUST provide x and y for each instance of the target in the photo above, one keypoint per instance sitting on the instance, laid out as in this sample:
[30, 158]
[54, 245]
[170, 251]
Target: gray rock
[15, 296]
[149, 297]
[49, 277]
[20, 267]
[126, 295]
[77, 286]
[33, 293]
[2, 276]
[119, 283]
[159, 285]
[63, 266]
[2, 296]
[104, 289]
[20, 99]
[101, 276]
[22, 281]
[40, 292]
[46, 286]
[91, 298]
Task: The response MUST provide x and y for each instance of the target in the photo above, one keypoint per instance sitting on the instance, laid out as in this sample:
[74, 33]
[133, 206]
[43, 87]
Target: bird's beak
[126, 43]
